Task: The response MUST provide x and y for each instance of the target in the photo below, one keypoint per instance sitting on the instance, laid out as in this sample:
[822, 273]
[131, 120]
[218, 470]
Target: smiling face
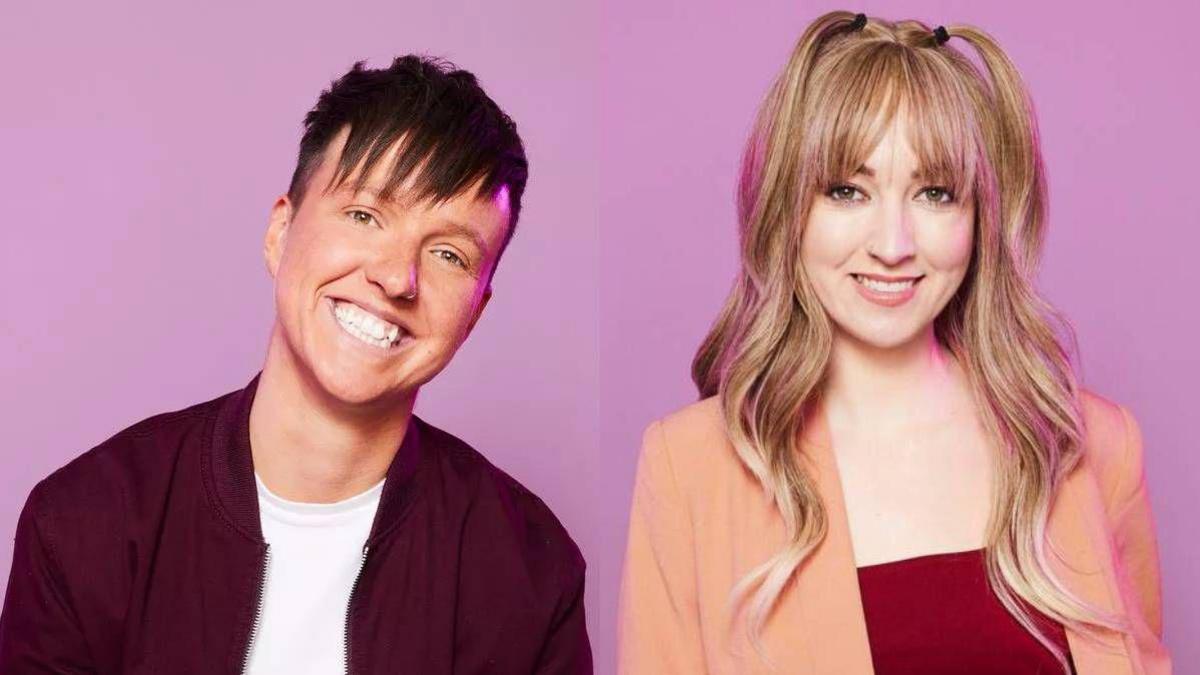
[373, 298]
[887, 221]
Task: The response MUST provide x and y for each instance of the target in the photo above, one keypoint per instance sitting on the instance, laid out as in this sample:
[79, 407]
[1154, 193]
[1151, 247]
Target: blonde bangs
[857, 92]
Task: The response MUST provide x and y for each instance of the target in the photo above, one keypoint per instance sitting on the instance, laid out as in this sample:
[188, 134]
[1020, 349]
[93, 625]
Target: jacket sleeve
[1136, 549]
[39, 630]
[567, 650]
[658, 617]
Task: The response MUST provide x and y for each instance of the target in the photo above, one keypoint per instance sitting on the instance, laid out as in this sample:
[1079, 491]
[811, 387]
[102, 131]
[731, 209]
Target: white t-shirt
[315, 554]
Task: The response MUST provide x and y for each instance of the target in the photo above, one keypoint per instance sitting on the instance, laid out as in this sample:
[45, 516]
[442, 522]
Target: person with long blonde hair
[892, 467]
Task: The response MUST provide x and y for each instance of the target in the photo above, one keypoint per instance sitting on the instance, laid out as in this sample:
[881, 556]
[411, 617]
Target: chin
[882, 338]
[351, 390]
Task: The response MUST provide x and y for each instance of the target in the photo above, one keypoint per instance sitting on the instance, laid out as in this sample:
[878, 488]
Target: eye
[361, 217]
[844, 193]
[939, 195]
[450, 257]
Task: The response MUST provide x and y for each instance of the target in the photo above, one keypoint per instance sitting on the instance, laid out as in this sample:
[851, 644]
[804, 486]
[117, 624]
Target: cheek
[449, 306]
[825, 247]
[948, 249]
[316, 255]
[823, 244]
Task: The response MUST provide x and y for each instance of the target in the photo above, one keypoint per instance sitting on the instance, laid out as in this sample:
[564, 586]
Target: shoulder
[695, 430]
[690, 449]
[1112, 443]
[498, 503]
[105, 479]
[699, 424]
[86, 513]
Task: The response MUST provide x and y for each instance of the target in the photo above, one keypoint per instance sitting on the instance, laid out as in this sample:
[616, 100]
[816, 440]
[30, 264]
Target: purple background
[143, 147]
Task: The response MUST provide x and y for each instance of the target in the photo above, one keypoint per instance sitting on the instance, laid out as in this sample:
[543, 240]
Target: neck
[309, 446]
[894, 389]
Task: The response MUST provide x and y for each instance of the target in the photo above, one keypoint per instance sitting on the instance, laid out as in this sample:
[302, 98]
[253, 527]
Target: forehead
[894, 150]
[405, 195]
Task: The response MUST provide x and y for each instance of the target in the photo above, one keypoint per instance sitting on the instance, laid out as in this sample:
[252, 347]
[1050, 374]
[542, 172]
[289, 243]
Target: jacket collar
[834, 604]
[229, 469]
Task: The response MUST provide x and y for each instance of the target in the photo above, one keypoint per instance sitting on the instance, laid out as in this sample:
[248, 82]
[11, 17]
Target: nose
[395, 273]
[891, 241]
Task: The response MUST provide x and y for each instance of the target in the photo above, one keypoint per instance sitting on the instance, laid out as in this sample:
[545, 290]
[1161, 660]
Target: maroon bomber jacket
[145, 555]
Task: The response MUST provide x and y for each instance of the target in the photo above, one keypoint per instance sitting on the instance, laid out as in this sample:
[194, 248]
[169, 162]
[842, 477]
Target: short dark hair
[453, 133]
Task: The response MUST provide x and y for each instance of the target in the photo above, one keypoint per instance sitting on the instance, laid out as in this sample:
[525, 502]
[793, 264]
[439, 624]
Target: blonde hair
[766, 355]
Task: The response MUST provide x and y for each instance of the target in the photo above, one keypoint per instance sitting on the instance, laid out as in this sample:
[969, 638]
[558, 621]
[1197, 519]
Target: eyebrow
[455, 228]
[347, 188]
[448, 227]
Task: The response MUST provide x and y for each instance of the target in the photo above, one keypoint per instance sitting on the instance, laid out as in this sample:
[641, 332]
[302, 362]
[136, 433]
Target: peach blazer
[699, 522]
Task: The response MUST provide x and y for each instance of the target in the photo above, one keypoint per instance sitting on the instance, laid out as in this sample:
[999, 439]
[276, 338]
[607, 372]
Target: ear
[487, 295]
[277, 229]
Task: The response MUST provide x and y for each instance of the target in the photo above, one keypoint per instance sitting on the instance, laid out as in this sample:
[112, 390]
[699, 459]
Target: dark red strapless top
[936, 615]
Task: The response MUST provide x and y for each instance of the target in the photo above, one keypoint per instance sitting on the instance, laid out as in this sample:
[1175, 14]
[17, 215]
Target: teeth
[364, 326]
[884, 286]
[366, 338]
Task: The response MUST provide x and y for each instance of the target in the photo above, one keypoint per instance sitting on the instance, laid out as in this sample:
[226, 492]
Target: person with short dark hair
[309, 522]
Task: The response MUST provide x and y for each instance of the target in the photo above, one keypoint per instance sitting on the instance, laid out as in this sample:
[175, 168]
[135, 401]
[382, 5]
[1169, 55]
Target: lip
[406, 337]
[381, 312]
[884, 277]
[884, 298]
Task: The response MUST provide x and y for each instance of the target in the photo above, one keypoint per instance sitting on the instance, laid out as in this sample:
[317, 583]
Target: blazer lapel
[829, 601]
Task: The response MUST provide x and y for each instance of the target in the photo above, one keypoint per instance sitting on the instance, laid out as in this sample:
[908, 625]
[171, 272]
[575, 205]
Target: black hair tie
[860, 21]
[940, 35]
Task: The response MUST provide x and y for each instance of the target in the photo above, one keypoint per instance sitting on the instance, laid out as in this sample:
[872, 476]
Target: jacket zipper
[362, 561]
[258, 603]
